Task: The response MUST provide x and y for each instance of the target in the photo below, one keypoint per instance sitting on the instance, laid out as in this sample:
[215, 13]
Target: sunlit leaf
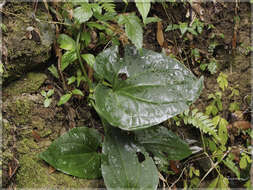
[64, 99]
[143, 7]
[83, 13]
[68, 58]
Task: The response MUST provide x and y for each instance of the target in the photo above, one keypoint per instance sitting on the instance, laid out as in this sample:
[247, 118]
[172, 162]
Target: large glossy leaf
[162, 142]
[75, 153]
[121, 168]
[147, 89]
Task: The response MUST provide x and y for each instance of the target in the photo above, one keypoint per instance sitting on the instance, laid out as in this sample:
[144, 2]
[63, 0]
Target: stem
[80, 59]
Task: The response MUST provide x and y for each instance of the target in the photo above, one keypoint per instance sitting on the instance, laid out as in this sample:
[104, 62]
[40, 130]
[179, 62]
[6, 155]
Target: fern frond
[199, 120]
[109, 7]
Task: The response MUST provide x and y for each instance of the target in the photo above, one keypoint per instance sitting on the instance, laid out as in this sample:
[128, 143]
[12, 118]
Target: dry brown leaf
[51, 170]
[173, 166]
[159, 34]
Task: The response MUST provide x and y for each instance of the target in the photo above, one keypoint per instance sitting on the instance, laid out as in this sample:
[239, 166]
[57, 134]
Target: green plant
[195, 28]
[133, 94]
[216, 105]
[47, 96]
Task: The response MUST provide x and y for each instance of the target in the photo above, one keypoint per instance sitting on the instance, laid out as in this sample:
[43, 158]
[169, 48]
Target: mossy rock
[24, 52]
[30, 83]
[34, 173]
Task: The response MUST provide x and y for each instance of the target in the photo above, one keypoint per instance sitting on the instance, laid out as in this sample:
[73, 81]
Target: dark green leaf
[85, 36]
[160, 141]
[147, 89]
[64, 99]
[133, 28]
[67, 58]
[83, 13]
[127, 166]
[75, 153]
[66, 42]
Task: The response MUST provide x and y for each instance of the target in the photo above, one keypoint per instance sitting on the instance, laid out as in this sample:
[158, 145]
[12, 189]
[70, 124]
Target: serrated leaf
[121, 168]
[89, 58]
[231, 165]
[160, 141]
[147, 89]
[68, 58]
[222, 81]
[83, 13]
[143, 7]
[75, 153]
[66, 42]
[77, 92]
[133, 28]
[64, 99]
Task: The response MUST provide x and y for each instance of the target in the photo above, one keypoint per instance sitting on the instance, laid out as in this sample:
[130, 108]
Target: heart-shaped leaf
[147, 88]
[162, 142]
[75, 153]
[125, 165]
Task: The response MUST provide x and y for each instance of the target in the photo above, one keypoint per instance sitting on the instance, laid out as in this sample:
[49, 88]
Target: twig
[177, 179]
[214, 166]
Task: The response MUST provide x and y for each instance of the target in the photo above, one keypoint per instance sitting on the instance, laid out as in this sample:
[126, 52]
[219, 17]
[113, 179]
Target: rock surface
[28, 129]
[27, 38]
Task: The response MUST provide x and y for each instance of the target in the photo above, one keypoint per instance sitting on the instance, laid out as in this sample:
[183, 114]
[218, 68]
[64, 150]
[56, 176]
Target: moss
[45, 132]
[25, 145]
[34, 173]
[29, 84]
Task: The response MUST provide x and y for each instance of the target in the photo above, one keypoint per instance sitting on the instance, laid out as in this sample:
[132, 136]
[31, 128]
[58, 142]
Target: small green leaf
[126, 164]
[96, 25]
[50, 92]
[89, 58]
[67, 58]
[77, 92]
[203, 66]
[222, 81]
[75, 153]
[212, 66]
[43, 93]
[53, 71]
[83, 13]
[71, 79]
[64, 99]
[243, 163]
[133, 28]
[66, 42]
[213, 184]
[85, 36]
[152, 19]
[222, 131]
[47, 102]
[183, 26]
[143, 7]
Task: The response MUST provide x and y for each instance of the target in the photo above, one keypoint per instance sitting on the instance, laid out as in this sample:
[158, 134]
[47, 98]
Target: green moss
[34, 173]
[45, 132]
[25, 145]
[29, 84]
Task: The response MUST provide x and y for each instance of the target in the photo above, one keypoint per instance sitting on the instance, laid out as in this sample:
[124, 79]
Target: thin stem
[80, 59]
